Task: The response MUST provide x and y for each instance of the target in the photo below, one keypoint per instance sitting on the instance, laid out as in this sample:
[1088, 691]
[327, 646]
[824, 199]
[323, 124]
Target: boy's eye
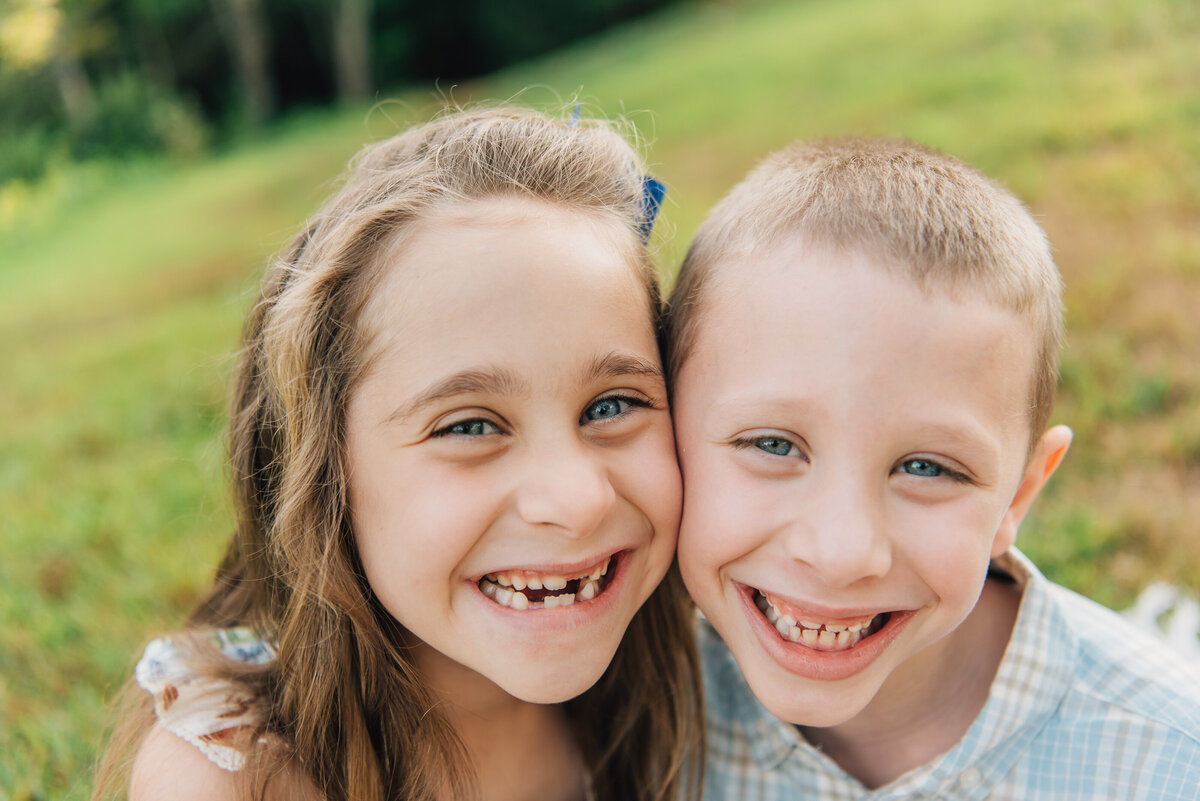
[773, 445]
[608, 407]
[921, 467]
[468, 428]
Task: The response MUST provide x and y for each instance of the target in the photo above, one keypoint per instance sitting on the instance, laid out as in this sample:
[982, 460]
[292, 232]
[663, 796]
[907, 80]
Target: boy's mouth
[794, 626]
[527, 589]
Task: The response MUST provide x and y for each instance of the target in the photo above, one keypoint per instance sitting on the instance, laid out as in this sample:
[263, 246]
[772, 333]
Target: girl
[456, 491]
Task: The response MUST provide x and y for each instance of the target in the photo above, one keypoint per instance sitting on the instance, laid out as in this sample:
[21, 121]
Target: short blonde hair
[935, 219]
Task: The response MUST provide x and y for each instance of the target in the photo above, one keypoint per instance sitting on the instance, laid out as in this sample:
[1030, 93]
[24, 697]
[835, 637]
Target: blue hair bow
[653, 192]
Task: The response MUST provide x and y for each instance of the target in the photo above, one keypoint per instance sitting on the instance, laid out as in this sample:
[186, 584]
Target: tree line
[108, 78]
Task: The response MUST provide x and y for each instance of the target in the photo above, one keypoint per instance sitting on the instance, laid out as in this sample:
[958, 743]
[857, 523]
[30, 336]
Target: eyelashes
[612, 406]
[475, 427]
[781, 447]
[771, 444]
[599, 412]
[922, 467]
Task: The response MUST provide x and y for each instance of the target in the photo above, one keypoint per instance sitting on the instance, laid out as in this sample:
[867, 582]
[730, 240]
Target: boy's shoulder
[1123, 667]
[1119, 709]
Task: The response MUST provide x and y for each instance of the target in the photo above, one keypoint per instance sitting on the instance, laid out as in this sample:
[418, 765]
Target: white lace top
[207, 712]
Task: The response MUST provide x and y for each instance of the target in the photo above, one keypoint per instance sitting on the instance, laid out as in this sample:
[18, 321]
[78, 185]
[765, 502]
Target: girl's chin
[539, 688]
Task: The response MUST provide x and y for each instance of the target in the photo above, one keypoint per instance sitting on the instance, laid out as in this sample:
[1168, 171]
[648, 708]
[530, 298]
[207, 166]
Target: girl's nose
[568, 489]
[841, 534]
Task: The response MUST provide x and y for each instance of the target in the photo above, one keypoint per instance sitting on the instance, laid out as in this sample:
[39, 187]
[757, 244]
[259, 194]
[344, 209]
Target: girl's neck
[907, 726]
[519, 750]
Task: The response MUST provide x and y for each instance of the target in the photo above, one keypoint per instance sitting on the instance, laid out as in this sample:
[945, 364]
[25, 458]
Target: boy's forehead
[813, 315]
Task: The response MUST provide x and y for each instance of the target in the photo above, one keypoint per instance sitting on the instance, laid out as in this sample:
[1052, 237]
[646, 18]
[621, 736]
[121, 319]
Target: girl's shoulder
[217, 715]
[168, 767]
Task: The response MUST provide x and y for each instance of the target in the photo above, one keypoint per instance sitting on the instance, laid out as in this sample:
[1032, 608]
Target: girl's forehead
[537, 268]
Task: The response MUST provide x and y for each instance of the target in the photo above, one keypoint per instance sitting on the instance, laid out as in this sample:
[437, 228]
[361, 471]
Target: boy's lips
[817, 646]
[798, 626]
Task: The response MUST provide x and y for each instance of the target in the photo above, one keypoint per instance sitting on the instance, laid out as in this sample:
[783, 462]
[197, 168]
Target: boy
[864, 343]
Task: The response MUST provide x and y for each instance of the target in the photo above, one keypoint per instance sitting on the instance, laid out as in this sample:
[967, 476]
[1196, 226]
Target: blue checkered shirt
[1084, 706]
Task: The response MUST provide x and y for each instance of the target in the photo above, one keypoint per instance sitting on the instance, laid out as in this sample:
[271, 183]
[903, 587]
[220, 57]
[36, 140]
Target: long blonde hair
[343, 701]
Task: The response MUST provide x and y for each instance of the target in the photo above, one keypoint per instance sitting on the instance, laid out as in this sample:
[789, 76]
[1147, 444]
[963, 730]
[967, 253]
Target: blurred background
[153, 153]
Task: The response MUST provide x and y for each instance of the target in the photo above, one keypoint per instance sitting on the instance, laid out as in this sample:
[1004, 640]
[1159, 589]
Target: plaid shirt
[1084, 706]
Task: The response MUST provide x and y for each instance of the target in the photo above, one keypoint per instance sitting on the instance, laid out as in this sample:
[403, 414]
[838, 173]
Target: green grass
[122, 290]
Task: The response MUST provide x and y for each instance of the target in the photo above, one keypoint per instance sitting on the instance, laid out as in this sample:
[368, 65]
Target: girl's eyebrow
[615, 365]
[475, 381]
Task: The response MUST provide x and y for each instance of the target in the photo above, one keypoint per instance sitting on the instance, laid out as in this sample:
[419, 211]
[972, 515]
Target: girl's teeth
[507, 589]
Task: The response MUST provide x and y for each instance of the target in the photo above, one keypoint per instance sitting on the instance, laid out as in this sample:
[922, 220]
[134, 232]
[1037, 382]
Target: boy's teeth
[509, 588]
[821, 636]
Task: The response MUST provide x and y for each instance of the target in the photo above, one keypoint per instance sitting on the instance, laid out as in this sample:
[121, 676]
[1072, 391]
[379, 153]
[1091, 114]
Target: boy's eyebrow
[465, 382]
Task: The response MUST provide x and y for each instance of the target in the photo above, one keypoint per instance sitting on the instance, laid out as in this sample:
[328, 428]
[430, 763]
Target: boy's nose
[840, 534]
[567, 488]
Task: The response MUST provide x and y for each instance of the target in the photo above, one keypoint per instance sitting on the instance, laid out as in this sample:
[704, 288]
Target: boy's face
[851, 448]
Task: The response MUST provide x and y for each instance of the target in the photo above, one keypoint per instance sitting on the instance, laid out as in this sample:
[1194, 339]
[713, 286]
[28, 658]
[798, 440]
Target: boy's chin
[822, 709]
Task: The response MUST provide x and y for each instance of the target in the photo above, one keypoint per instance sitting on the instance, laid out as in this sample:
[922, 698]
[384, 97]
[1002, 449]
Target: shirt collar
[1031, 682]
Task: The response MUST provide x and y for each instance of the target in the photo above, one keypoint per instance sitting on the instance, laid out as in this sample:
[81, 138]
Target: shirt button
[970, 778]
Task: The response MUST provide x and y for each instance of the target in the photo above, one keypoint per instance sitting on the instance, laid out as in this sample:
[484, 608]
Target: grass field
[122, 289]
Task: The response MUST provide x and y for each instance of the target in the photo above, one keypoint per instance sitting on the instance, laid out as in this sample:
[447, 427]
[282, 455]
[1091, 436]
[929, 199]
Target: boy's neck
[927, 705]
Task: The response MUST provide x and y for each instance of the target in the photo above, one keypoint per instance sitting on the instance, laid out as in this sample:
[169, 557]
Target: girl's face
[513, 483]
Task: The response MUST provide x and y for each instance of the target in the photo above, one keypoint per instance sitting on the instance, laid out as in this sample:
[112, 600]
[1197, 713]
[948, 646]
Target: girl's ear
[1047, 456]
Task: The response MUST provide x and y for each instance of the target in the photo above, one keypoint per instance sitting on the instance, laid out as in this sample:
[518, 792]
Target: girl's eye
[609, 407]
[468, 428]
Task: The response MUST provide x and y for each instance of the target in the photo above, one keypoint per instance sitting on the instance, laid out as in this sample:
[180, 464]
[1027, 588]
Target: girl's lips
[565, 600]
[822, 657]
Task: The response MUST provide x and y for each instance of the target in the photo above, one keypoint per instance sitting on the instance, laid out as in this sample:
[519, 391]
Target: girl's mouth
[793, 626]
[527, 589]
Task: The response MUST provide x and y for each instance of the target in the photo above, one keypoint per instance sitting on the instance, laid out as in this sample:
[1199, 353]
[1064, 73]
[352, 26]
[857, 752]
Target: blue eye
[609, 407]
[776, 446]
[469, 428]
[922, 467]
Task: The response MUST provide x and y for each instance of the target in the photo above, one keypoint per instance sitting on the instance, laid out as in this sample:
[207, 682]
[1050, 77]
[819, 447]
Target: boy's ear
[1047, 456]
